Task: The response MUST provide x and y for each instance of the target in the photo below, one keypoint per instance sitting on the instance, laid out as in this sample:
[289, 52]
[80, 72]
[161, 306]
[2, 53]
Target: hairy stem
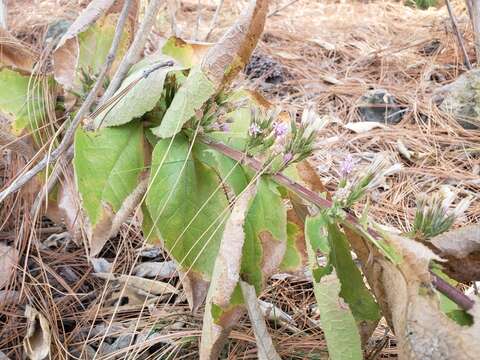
[452, 293]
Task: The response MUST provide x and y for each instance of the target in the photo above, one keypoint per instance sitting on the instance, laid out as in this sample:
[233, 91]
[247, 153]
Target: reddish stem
[443, 287]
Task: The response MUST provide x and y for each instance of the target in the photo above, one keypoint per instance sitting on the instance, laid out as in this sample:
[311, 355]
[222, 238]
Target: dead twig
[172, 7]
[82, 112]
[475, 17]
[3, 14]
[213, 24]
[197, 22]
[135, 50]
[461, 43]
[281, 8]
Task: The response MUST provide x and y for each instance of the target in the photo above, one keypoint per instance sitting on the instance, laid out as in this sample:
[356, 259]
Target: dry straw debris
[324, 52]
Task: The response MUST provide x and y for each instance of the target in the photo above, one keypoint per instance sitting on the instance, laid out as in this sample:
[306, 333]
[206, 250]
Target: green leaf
[196, 90]
[150, 232]
[95, 44]
[186, 204]
[230, 171]
[138, 100]
[188, 54]
[315, 232]
[292, 260]
[338, 323]
[455, 313]
[22, 98]
[265, 234]
[107, 167]
[266, 223]
[83, 48]
[354, 291]
[452, 310]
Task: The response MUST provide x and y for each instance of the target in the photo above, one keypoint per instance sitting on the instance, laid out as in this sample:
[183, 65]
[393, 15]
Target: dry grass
[334, 53]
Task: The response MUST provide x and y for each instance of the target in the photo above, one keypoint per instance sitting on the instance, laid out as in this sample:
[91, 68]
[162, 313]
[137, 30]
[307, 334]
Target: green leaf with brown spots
[107, 167]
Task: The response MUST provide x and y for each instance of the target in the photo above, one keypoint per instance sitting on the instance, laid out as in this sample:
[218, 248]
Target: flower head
[254, 130]
[311, 121]
[287, 157]
[434, 215]
[224, 127]
[347, 165]
[280, 129]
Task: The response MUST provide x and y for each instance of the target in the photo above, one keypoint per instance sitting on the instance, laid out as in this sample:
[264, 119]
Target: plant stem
[135, 50]
[449, 291]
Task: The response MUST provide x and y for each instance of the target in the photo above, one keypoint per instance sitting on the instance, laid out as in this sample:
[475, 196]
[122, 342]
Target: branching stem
[449, 291]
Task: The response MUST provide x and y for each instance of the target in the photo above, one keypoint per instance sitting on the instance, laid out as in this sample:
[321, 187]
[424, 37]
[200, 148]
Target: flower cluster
[300, 144]
[434, 214]
[286, 143]
[214, 117]
[263, 129]
[374, 175]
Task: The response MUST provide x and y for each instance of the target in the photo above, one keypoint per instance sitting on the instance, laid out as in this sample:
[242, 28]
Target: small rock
[380, 106]
[264, 67]
[461, 98]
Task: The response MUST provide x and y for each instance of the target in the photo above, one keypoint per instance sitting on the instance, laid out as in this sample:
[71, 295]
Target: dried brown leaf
[110, 223]
[100, 235]
[195, 288]
[11, 142]
[364, 126]
[273, 252]
[14, 54]
[225, 278]
[153, 287]
[65, 209]
[8, 261]
[38, 337]
[232, 52]
[461, 248]
[422, 330]
[159, 270]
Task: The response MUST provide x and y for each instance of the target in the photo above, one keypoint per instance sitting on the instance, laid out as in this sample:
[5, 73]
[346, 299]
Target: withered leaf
[461, 248]
[220, 315]
[38, 338]
[8, 261]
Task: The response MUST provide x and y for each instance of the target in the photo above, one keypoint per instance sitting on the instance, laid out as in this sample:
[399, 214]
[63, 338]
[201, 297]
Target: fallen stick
[135, 50]
[461, 43]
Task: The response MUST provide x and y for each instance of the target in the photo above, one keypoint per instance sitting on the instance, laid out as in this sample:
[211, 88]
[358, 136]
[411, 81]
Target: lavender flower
[280, 129]
[347, 165]
[287, 157]
[254, 130]
[224, 127]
